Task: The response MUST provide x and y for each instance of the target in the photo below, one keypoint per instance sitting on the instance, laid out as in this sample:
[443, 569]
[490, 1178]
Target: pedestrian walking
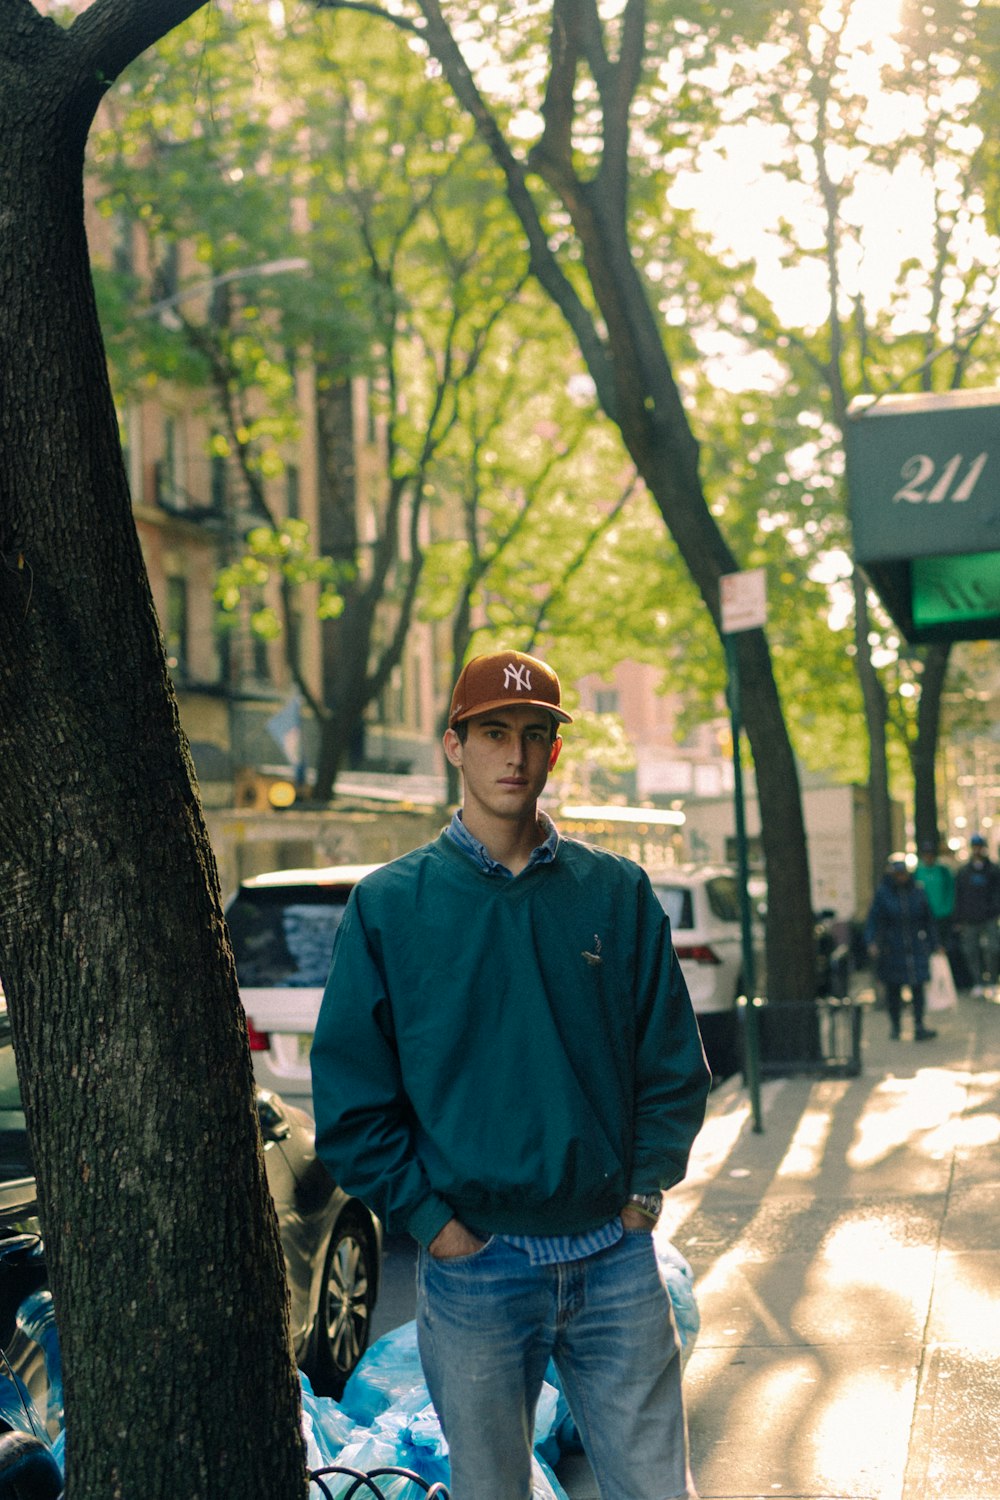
[507, 1066]
[901, 936]
[938, 880]
[977, 906]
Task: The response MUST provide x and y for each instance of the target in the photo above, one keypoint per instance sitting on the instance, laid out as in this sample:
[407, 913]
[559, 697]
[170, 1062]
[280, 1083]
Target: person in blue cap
[977, 906]
[901, 935]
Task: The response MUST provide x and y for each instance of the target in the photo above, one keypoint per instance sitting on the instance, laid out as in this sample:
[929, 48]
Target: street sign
[924, 478]
[743, 600]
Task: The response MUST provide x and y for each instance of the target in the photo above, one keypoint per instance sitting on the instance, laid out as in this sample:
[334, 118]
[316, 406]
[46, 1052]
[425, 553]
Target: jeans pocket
[461, 1260]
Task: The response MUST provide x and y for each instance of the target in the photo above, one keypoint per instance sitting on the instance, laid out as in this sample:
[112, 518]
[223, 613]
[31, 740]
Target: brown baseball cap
[502, 679]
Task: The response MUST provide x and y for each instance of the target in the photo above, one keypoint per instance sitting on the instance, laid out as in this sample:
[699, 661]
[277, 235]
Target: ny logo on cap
[518, 678]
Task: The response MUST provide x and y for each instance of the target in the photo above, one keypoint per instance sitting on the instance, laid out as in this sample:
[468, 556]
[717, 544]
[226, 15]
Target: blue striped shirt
[544, 854]
[547, 1249]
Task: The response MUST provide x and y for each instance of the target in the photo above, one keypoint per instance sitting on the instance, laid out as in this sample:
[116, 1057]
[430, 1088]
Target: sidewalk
[847, 1264]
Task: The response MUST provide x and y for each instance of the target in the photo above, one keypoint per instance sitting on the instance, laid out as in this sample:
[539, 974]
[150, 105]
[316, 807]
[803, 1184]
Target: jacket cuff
[429, 1219]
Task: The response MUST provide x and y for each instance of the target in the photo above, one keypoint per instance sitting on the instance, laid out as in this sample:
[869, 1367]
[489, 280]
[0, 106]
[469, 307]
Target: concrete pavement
[847, 1264]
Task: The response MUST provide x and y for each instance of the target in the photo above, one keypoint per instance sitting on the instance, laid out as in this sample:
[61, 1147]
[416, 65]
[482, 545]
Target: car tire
[346, 1302]
[28, 1470]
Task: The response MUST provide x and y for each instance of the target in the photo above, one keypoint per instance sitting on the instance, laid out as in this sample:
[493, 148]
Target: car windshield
[676, 902]
[724, 897]
[285, 937]
[721, 892]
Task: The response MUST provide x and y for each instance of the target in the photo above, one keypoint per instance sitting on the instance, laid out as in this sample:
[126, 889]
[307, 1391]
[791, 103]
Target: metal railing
[820, 1037]
[364, 1483]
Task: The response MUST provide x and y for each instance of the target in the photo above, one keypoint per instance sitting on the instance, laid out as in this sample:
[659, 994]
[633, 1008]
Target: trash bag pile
[384, 1419]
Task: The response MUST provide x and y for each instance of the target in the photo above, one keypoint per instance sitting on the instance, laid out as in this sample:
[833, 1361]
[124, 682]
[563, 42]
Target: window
[292, 492]
[724, 897]
[177, 626]
[676, 902]
[170, 469]
[285, 937]
[218, 481]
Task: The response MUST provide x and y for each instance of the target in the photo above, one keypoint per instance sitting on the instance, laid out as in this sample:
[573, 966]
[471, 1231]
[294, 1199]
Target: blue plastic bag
[678, 1279]
[388, 1372]
[392, 1423]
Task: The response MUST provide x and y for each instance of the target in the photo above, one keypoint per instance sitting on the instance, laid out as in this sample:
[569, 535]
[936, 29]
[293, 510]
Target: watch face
[650, 1203]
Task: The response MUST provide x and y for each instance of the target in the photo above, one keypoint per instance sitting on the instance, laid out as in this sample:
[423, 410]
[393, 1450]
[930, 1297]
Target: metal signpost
[743, 606]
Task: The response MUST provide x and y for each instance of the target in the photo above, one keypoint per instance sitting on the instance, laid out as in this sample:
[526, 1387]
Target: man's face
[505, 760]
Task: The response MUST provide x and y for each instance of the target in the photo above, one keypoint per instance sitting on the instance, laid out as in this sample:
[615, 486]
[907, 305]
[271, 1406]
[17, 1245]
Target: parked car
[283, 925]
[332, 1243]
[703, 904]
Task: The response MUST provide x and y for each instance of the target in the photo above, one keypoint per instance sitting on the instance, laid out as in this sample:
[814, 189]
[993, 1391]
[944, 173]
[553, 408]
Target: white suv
[703, 904]
[282, 927]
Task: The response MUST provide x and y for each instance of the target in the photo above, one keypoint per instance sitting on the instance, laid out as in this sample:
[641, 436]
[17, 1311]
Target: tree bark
[162, 1245]
[924, 751]
[876, 718]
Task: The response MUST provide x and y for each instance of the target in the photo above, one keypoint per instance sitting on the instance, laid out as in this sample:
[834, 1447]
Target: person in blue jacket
[507, 1066]
[901, 935]
[977, 906]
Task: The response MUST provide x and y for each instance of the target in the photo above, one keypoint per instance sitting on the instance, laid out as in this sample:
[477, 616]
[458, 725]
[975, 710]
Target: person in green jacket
[507, 1066]
[938, 881]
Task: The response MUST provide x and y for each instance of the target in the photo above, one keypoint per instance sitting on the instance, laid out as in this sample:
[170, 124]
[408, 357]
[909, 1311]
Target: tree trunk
[924, 753]
[876, 717]
[461, 635]
[162, 1245]
[346, 688]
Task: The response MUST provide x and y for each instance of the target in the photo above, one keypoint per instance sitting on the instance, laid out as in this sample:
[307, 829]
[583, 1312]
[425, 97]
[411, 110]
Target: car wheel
[346, 1301]
[28, 1470]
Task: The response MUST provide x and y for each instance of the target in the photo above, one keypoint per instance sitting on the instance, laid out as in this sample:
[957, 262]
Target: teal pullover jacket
[521, 1054]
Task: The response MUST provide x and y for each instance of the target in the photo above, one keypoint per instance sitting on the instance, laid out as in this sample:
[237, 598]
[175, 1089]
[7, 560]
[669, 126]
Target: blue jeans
[979, 949]
[487, 1325]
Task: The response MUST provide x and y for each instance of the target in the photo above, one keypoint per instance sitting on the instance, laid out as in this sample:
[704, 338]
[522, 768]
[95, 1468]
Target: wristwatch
[647, 1203]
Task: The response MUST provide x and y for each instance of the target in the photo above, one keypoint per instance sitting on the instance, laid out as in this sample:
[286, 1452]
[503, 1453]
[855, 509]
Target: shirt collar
[543, 854]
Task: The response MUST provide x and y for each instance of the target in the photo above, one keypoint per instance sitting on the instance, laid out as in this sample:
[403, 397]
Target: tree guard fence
[364, 1484]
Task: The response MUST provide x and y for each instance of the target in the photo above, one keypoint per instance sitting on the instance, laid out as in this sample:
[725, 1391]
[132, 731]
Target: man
[977, 905]
[938, 880]
[507, 1066]
[901, 935]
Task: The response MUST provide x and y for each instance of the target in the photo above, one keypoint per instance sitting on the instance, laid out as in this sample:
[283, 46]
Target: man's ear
[554, 753]
[452, 747]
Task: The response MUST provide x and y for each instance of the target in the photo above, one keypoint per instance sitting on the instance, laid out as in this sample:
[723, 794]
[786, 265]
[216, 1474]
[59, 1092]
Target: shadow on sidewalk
[817, 1248]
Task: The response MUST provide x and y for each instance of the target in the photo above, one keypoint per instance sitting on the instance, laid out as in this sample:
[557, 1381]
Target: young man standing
[508, 1067]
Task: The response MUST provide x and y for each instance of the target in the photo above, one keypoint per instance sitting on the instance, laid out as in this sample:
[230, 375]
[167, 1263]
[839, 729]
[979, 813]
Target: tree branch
[544, 265]
[113, 33]
[576, 564]
[402, 22]
[555, 147]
